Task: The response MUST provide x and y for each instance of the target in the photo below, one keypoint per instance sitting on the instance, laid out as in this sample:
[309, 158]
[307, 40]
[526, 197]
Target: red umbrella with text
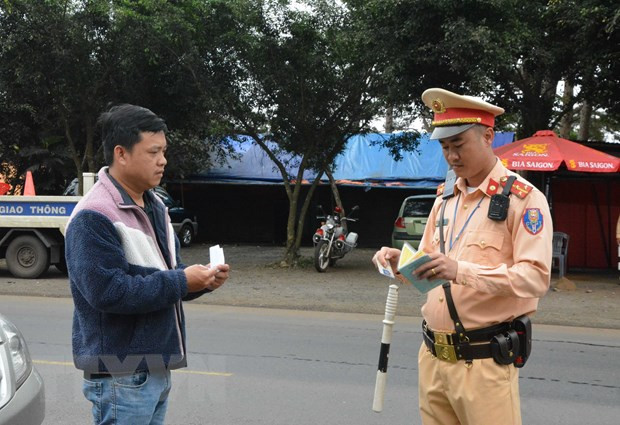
[545, 151]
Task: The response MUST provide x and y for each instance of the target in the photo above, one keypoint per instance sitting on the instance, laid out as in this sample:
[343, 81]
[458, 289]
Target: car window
[164, 196]
[167, 202]
[418, 207]
[72, 188]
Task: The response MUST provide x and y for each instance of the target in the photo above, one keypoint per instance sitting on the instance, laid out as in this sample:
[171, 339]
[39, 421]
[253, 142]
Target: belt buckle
[444, 348]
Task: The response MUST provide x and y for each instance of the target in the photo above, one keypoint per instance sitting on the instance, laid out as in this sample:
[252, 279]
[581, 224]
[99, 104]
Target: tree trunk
[75, 156]
[304, 210]
[336, 194]
[291, 254]
[389, 119]
[89, 152]
[567, 119]
[584, 121]
[539, 95]
[536, 113]
[294, 226]
[295, 223]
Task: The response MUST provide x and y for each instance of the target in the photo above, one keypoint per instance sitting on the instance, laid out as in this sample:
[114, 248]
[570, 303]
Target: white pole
[89, 181]
[386, 340]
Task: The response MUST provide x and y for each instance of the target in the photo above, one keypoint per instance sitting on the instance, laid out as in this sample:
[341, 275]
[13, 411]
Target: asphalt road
[264, 366]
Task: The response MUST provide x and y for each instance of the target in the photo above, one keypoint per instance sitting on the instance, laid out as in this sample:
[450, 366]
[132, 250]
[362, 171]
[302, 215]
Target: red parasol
[545, 151]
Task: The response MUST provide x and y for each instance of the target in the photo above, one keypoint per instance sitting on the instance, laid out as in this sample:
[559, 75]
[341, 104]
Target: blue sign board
[45, 209]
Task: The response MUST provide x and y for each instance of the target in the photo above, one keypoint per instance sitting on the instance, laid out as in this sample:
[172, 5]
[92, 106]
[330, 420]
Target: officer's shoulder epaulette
[440, 189]
[519, 188]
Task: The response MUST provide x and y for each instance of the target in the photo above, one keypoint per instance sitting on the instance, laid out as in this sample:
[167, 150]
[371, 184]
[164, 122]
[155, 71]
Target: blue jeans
[138, 399]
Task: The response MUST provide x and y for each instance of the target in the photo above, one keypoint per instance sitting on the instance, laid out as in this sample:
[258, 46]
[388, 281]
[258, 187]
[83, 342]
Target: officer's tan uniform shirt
[503, 266]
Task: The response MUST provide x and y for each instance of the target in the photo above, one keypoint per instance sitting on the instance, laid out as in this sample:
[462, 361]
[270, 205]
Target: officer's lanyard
[456, 207]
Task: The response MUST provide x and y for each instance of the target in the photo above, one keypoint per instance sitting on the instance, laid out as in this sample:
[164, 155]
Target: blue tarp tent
[363, 163]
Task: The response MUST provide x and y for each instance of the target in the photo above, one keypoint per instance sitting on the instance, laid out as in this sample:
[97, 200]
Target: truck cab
[32, 228]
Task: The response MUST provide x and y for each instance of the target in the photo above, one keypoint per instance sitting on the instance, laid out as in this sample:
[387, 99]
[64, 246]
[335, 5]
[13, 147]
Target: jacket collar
[120, 195]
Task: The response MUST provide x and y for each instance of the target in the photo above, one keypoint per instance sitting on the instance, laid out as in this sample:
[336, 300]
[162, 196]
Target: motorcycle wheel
[321, 256]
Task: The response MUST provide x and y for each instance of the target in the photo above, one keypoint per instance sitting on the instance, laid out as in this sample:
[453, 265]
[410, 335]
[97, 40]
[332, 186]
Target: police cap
[455, 113]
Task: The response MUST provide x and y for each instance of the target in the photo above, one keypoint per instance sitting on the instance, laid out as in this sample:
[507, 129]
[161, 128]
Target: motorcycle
[331, 241]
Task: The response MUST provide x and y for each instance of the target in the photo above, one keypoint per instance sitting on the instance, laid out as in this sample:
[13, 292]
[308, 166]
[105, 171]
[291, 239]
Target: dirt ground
[353, 285]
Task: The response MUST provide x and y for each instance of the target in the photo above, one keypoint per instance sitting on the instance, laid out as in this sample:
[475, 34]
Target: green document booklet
[410, 259]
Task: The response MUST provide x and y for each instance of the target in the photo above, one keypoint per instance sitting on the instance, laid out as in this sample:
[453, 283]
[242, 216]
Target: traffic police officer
[490, 235]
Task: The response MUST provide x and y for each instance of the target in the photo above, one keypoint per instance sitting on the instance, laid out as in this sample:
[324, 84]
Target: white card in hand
[385, 271]
[216, 256]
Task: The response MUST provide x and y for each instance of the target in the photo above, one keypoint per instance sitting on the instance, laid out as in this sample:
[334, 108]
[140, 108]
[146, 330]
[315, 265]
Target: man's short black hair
[122, 125]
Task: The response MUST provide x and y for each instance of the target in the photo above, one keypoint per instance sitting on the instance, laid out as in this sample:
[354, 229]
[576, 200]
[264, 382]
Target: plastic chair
[560, 251]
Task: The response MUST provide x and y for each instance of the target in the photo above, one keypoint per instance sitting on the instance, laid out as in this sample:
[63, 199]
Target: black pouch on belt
[523, 326]
[505, 347]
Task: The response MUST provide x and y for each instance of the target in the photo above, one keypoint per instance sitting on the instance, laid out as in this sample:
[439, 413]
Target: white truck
[32, 230]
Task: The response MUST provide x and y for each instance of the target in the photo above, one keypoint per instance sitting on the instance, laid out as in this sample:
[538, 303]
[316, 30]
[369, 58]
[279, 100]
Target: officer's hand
[440, 267]
[387, 255]
[201, 277]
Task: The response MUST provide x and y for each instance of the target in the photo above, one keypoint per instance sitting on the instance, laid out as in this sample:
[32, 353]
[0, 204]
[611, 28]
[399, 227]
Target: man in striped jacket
[126, 277]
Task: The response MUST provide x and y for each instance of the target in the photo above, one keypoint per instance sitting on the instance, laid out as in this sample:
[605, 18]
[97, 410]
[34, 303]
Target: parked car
[411, 220]
[184, 221]
[22, 393]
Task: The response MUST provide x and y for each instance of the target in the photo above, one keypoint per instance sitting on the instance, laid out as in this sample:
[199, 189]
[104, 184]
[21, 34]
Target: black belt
[91, 376]
[446, 346]
[100, 375]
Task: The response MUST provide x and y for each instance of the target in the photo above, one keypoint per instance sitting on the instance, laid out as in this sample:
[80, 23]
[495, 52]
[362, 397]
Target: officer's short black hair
[121, 125]
[481, 128]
